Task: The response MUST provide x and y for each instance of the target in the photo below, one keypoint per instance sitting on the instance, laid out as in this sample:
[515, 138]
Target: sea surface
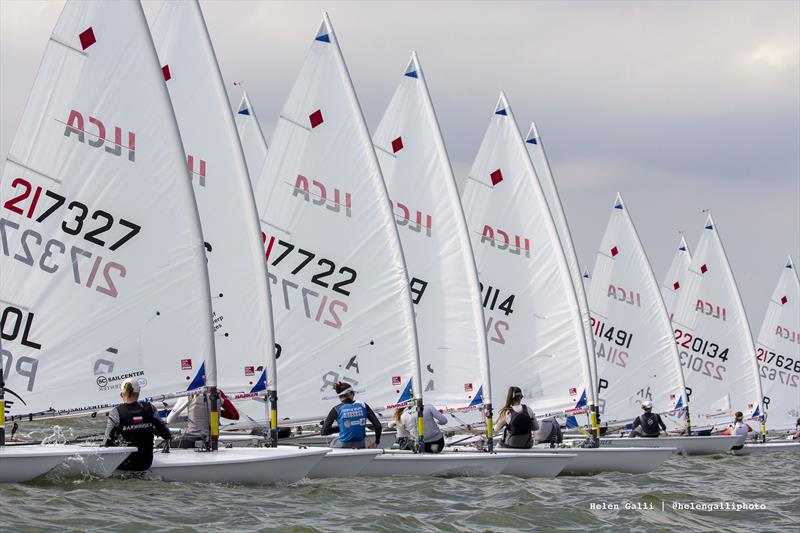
[503, 503]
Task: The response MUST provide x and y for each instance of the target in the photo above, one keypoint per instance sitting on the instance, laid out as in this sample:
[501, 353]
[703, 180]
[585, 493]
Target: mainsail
[433, 232]
[713, 337]
[102, 271]
[778, 352]
[541, 165]
[635, 350]
[234, 251]
[342, 306]
[254, 144]
[671, 285]
[533, 319]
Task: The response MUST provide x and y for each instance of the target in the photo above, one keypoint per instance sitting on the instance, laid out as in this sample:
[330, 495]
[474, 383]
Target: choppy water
[416, 504]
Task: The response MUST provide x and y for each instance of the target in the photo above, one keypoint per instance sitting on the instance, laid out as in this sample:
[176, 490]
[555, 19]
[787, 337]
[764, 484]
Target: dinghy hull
[343, 463]
[539, 465]
[252, 466]
[686, 445]
[597, 460]
[23, 463]
[94, 460]
[765, 447]
[444, 464]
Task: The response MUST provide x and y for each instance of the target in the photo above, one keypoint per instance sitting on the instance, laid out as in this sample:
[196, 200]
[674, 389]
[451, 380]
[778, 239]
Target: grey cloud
[680, 106]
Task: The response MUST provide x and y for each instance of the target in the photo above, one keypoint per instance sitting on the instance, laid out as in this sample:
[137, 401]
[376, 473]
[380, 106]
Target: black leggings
[435, 447]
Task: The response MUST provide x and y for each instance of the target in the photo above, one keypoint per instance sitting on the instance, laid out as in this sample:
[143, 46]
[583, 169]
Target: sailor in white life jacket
[740, 429]
[648, 424]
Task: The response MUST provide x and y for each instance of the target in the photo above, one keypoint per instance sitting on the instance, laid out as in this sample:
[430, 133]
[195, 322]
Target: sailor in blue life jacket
[648, 423]
[517, 421]
[351, 417]
[134, 423]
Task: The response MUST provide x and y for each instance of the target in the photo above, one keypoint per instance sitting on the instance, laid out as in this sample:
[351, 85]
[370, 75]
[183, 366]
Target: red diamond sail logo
[784, 299]
[315, 118]
[87, 38]
[496, 177]
[614, 251]
[676, 285]
[166, 73]
[703, 269]
[397, 145]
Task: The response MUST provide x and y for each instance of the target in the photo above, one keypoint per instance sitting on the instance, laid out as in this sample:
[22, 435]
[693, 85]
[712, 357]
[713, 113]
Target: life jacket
[136, 429]
[517, 432]
[649, 423]
[352, 420]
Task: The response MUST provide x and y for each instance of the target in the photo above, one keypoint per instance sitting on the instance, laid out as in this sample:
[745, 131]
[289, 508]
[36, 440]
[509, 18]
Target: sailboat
[713, 337]
[672, 281]
[533, 320]
[443, 279]
[242, 316]
[634, 346]
[341, 303]
[102, 273]
[778, 356]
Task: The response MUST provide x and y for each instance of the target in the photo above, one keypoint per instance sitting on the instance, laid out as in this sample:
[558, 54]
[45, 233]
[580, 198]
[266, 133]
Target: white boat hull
[529, 465]
[343, 463]
[765, 447]
[597, 460]
[94, 460]
[23, 463]
[255, 466]
[686, 445]
[442, 464]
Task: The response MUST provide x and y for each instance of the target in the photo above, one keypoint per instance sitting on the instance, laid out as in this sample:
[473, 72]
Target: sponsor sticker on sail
[186, 364]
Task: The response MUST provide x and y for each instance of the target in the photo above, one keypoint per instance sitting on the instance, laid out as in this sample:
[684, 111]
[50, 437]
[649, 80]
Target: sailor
[549, 432]
[134, 423]
[405, 427]
[198, 415]
[797, 430]
[740, 429]
[431, 420]
[647, 424]
[352, 417]
[516, 420]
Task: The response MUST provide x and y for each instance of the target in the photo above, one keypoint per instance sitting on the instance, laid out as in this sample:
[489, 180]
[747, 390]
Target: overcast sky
[679, 106]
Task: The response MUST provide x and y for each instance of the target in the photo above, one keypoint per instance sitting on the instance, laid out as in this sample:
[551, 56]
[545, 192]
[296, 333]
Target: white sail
[636, 355]
[433, 232]
[254, 145]
[102, 270]
[234, 249]
[672, 281]
[535, 145]
[713, 337]
[533, 322]
[341, 302]
[778, 352]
